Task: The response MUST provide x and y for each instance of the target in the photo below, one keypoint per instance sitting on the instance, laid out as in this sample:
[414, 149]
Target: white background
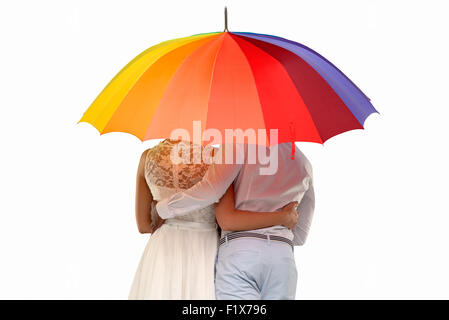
[67, 228]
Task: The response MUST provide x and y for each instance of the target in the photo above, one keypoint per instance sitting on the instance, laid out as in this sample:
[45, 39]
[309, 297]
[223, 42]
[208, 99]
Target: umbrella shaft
[226, 18]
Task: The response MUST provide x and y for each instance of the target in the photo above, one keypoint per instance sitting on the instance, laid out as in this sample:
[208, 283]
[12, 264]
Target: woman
[178, 261]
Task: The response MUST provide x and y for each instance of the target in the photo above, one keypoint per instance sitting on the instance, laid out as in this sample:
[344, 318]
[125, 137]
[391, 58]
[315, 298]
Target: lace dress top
[165, 178]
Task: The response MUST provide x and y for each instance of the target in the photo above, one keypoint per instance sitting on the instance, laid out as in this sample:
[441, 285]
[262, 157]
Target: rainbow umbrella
[230, 80]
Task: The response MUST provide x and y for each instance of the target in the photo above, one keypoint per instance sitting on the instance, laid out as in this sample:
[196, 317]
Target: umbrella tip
[226, 19]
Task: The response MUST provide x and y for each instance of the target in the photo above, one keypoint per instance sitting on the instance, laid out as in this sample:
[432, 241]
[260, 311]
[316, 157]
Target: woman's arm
[144, 200]
[231, 219]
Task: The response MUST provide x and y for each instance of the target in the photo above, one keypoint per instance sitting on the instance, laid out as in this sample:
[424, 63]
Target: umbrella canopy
[230, 80]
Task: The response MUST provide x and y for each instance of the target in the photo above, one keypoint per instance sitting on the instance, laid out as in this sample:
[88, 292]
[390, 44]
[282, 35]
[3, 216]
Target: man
[256, 264]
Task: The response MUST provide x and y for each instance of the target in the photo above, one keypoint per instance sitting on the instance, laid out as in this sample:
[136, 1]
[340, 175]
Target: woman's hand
[290, 215]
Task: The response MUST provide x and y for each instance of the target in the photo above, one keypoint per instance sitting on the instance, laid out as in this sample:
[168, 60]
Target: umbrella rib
[257, 90]
[157, 103]
[288, 74]
[353, 107]
[212, 77]
[346, 105]
[310, 50]
[180, 65]
[158, 46]
[152, 48]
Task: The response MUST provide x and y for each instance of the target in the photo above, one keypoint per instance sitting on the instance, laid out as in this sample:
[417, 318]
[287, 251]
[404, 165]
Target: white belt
[185, 224]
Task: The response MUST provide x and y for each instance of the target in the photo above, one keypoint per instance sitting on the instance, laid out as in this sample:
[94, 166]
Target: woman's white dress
[178, 261]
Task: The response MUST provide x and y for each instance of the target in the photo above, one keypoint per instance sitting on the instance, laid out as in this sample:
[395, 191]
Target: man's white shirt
[293, 181]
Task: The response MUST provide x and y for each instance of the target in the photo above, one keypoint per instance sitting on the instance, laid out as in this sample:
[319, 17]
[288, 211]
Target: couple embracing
[221, 231]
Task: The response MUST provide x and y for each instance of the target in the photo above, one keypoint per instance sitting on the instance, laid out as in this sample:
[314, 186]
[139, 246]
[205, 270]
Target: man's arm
[231, 219]
[306, 208]
[209, 190]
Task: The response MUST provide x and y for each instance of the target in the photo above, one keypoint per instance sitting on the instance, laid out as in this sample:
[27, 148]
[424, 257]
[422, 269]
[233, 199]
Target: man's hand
[156, 220]
[290, 215]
